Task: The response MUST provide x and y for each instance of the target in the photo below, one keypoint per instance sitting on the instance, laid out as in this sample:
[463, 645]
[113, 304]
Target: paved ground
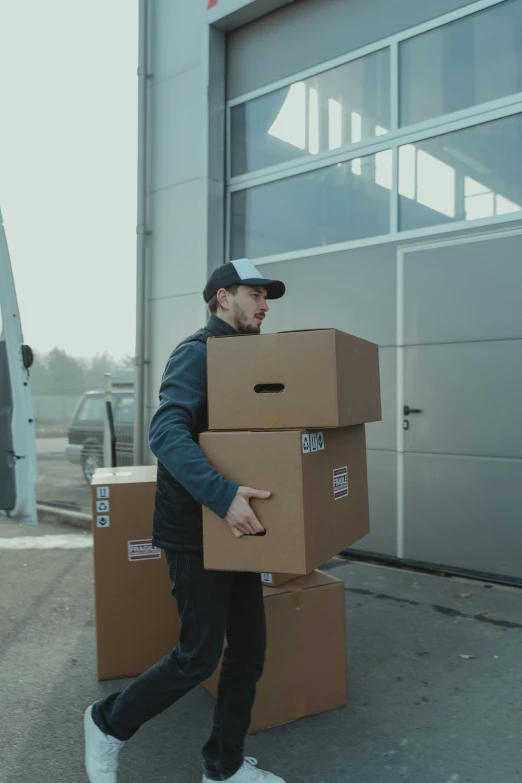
[417, 711]
[58, 480]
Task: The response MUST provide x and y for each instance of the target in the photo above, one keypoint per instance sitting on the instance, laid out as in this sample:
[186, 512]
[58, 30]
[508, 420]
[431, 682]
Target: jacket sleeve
[183, 394]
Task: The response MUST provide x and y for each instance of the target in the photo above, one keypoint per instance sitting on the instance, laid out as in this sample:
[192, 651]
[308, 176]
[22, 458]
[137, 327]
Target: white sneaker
[249, 772]
[101, 752]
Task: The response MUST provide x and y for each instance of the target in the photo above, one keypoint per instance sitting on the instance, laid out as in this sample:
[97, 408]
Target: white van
[17, 430]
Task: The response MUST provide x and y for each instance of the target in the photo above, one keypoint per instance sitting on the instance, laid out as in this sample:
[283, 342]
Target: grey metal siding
[310, 32]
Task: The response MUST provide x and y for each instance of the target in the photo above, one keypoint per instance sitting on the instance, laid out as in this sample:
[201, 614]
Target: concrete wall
[353, 290]
[178, 182]
[185, 187]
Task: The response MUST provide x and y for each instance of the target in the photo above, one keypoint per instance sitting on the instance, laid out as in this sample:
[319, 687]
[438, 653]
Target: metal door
[459, 404]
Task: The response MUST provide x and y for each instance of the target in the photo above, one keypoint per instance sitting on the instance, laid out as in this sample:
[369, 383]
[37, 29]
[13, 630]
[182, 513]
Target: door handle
[408, 410]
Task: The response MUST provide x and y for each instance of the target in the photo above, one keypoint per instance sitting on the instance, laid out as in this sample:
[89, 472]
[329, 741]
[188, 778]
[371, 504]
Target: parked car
[86, 434]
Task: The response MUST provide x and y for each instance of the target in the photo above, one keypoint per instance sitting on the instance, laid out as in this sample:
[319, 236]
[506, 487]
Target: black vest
[177, 516]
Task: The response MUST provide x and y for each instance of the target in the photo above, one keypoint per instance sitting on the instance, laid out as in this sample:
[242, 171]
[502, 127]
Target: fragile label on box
[340, 483]
[143, 549]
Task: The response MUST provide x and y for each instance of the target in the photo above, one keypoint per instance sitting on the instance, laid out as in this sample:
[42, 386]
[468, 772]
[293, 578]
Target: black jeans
[211, 605]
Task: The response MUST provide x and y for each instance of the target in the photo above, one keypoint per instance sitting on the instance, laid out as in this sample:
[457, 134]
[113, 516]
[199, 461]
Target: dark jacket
[186, 480]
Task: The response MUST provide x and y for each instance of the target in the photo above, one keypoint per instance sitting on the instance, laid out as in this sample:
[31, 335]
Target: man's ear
[223, 299]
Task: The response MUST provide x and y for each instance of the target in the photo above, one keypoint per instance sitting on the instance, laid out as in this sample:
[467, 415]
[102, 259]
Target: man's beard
[240, 321]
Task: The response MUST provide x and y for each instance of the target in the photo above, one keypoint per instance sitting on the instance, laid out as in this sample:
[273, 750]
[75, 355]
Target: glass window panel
[344, 105]
[466, 175]
[462, 64]
[93, 409]
[124, 409]
[334, 204]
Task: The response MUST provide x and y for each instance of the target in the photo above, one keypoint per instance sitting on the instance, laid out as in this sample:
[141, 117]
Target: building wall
[434, 488]
[179, 182]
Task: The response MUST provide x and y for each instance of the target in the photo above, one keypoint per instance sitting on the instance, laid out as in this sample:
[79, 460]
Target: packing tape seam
[297, 595]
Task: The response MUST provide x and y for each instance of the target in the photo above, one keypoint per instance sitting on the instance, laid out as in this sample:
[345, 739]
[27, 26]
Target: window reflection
[344, 105]
[427, 180]
[481, 202]
[313, 122]
[290, 123]
[464, 63]
[335, 204]
[335, 124]
[384, 168]
[466, 175]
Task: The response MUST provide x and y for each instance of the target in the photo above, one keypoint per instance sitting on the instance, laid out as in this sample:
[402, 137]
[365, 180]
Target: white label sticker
[102, 492]
[102, 506]
[306, 443]
[103, 521]
[320, 441]
[340, 483]
[313, 441]
[268, 578]
[143, 549]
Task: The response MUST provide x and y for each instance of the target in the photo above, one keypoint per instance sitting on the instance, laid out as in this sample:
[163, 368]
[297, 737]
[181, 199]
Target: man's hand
[240, 517]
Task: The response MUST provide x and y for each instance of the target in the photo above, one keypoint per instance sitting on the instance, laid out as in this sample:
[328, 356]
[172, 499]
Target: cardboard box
[311, 379]
[319, 503]
[305, 669]
[136, 616]
[276, 580]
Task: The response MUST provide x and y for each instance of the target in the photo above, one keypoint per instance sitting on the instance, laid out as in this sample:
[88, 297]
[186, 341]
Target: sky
[68, 153]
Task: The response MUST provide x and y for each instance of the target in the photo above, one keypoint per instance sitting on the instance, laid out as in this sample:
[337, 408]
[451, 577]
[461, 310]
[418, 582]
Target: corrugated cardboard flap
[319, 329]
[134, 474]
[311, 581]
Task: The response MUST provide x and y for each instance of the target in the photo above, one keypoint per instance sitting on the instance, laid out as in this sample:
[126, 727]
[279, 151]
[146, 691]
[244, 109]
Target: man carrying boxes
[286, 413]
[210, 603]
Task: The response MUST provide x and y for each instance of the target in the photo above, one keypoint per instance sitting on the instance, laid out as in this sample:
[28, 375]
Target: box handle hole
[269, 388]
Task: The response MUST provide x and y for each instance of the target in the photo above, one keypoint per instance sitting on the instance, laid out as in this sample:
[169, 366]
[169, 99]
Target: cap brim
[275, 289]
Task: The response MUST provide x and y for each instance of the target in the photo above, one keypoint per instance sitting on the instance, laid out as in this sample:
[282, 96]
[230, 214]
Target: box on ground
[276, 580]
[319, 502]
[311, 379]
[305, 668]
[136, 616]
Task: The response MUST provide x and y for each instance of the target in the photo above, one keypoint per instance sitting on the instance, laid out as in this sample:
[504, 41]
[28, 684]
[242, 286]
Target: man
[211, 604]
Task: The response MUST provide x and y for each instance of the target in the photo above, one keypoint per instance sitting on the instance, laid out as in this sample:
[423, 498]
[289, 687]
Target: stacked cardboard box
[287, 414]
[136, 618]
[305, 667]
